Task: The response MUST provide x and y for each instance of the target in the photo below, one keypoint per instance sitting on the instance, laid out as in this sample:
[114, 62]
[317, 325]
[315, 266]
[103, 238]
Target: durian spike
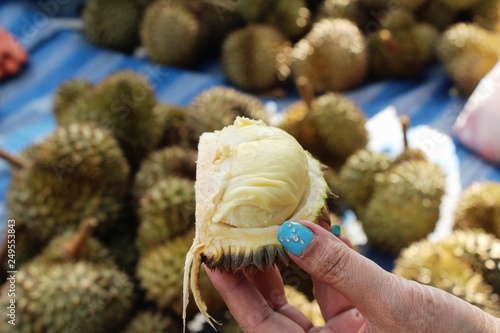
[74, 247]
[405, 123]
[191, 278]
[305, 90]
[15, 161]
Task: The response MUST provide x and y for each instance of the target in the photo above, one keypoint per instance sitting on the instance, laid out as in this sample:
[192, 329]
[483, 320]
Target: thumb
[329, 260]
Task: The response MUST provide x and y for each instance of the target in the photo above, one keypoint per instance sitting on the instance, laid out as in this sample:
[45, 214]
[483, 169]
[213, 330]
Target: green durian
[468, 52]
[332, 56]
[152, 322]
[177, 130]
[160, 272]
[433, 265]
[113, 23]
[172, 34]
[67, 92]
[291, 17]
[254, 10]
[439, 14]
[124, 104]
[165, 210]
[217, 107]
[332, 128]
[405, 205]
[401, 53]
[346, 9]
[479, 207]
[169, 161]
[68, 297]
[481, 250]
[357, 177]
[256, 57]
[77, 172]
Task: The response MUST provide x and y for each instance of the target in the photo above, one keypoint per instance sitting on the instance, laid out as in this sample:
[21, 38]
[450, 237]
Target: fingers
[350, 321]
[248, 306]
[330, 261]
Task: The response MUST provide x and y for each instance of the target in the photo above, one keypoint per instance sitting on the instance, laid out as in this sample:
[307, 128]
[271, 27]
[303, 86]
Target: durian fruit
[331, 126]
[77, 172]
[68, 297]
[124, 104]
[481, 250]
[67, 93]
[165, 210]
[479, 207]
[431, 264]
[250, 178]
[254, 10]
[439, 14]
[401, 52]
[309, 308]
[468, 52]
[405, 205]
[256, 57]
[152, 322]
[333, 56]
[216, 107]
[160, 273]
[171, 34]
[357, 177]
[169, 161]
[113, 23]
[177, 130]
[76, 246]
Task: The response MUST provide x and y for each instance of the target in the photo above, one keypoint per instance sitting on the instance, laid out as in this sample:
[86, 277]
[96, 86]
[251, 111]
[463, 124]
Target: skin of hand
[12, 54]
[355, 296]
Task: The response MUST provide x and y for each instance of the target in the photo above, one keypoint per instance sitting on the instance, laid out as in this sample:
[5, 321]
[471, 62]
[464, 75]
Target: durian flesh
[250, 178]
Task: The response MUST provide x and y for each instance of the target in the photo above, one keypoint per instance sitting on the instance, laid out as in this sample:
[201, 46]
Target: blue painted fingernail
[294, 237]
[336, 230]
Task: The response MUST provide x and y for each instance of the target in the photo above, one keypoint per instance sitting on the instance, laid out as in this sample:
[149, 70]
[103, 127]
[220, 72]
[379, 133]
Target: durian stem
[74, 248]
[305, 90]
[405, 123]
[15, 161]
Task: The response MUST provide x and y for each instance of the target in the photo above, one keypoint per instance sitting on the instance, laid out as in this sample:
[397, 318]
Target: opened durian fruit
[240, 207]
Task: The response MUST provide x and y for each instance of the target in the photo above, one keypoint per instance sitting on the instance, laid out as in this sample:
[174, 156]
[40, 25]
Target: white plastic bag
[478, 125]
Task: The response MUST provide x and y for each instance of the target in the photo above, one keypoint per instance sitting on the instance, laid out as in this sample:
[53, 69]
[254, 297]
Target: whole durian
[357, 177]
[468, 52]
[67, 92]
[68, 297]
[405, 205]
[331, 127]
[169, 161]
[433, 265]
[124, 104]
[177, 130]
[333, 56]
[165, 210]
[216, 107]
[479, 207]
[256, 57]
[172, 34]
[480, 250]
[113, 23]
[152, 322]
[439, 14]
[160, 271]
[77, 172]
[347, 9]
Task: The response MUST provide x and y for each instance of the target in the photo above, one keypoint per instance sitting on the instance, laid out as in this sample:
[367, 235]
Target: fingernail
[336, 230]
[294, 237]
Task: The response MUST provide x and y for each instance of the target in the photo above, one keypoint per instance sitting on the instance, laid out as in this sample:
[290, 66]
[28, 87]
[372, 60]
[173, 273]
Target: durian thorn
[324, 167]
[16, 161]
[405, 123]
[73, 249]
[305, 90]
[332, 195]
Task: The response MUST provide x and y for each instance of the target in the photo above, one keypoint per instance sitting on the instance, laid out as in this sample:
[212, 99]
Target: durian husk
[253, 247]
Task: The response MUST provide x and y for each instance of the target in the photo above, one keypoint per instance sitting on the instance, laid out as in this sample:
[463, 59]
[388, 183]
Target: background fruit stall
[82, 60]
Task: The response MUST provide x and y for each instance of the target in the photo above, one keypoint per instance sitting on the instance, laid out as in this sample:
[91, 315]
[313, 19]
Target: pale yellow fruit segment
[252, 193]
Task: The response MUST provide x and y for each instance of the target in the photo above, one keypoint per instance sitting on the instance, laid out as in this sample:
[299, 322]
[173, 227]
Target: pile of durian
[337, 44]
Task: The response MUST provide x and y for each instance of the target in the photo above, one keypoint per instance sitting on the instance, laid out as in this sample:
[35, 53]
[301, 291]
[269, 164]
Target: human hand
[354, 294]
[12, 54]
